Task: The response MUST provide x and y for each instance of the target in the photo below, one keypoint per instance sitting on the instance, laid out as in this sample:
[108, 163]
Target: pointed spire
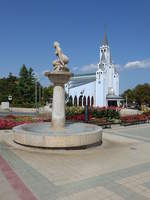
[105, 41]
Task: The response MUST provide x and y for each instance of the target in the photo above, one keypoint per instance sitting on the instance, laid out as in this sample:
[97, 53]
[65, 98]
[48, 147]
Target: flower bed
[11, 121]
[78, 113]
[147, 114]
[133, 119]
[105, 112]
[8, 124]
[77, 117]
[75, 113]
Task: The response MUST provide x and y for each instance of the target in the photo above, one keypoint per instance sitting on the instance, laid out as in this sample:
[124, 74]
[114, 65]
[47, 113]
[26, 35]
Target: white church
[96, 89]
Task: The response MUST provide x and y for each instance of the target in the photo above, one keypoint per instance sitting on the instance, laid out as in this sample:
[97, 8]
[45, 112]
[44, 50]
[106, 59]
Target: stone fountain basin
[73, 135]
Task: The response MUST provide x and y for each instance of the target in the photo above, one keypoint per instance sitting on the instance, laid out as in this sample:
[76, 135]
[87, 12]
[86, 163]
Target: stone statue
[60, 65]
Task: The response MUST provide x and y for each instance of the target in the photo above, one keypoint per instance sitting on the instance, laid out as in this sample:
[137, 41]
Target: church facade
[96, 89]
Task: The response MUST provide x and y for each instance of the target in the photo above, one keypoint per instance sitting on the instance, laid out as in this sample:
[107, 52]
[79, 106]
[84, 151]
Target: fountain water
[58, 134]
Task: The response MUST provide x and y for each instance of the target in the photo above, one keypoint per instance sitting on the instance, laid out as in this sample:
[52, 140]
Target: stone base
[74, 135]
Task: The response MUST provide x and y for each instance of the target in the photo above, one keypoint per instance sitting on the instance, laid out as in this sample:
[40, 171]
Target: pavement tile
[112, 172]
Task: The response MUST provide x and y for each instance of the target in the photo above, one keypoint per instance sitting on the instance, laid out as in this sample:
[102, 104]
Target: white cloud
[89, 68]
[143, 64]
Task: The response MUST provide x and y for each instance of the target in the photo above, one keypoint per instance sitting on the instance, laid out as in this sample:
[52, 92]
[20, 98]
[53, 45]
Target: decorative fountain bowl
[72, 136]
[58, 133]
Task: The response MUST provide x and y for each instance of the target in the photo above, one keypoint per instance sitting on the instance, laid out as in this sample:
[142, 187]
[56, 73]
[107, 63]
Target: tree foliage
[23, 89]
[140, 94]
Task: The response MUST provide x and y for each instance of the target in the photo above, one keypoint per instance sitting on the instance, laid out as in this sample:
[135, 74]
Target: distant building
[96, 89]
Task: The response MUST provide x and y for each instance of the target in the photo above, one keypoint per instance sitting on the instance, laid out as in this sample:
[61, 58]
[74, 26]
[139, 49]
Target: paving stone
[111, 172]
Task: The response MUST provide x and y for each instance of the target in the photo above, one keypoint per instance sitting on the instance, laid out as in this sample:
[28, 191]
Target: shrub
[77, 113]
[107, 112]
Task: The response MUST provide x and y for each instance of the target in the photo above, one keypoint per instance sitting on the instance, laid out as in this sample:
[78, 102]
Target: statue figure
[61, 63]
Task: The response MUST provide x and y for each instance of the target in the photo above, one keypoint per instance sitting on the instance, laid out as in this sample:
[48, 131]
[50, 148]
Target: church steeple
[105, 56]
[105, 41]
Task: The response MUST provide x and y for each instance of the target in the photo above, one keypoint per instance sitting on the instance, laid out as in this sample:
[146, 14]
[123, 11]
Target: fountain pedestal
[58, 108]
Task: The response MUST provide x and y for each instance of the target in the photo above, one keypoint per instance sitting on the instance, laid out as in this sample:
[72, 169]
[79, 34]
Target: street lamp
[37, 90]
[126, 101]
[10, 98]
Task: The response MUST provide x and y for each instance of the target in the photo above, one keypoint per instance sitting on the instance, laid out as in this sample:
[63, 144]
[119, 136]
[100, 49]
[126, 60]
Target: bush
[71, 111]
[107, 112]
[77, 113]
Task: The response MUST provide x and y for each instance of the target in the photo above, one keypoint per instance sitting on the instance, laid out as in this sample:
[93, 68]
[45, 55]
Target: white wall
[87, 89]
[100, 88]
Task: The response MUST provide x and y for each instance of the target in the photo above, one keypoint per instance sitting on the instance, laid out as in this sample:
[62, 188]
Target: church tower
[107, 79]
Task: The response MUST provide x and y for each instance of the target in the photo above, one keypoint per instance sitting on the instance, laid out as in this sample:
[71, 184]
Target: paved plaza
[119, 169]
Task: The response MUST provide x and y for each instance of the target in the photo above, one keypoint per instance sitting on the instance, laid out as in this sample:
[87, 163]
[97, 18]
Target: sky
[29, 28]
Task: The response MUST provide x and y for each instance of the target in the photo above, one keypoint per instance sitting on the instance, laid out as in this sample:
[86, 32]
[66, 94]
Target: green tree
[8, 86]
[140, 94]
[47, 94]
[26, 87]
[130, 94]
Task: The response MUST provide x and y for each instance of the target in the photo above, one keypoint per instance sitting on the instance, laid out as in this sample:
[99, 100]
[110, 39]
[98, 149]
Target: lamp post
[37, 90]
[126, 101]
[10, 98]
[36, 95]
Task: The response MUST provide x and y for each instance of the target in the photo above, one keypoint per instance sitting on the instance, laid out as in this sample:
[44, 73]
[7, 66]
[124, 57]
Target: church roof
[113, 97]
[82, 75]
[81, 79]
[105, 41]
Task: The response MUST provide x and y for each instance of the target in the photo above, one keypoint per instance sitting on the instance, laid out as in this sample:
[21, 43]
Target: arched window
[80, 101]
[75, 101]
[88, 101]
[92, 101]
[84, 101]
[70, 100]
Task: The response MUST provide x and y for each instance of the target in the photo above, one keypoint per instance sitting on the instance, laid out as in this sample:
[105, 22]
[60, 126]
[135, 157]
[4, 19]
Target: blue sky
[29, 28]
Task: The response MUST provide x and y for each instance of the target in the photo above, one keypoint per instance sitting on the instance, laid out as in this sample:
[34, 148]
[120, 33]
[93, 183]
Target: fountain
[58, 133]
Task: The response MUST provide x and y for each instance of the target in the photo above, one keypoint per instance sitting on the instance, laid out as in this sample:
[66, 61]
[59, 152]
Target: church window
[92, 101]
[99, 82]
[84, 101]
[101, 72]
[104, 50]
[88, 101]
[75, 101]
[70, 101]
[80, 101]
